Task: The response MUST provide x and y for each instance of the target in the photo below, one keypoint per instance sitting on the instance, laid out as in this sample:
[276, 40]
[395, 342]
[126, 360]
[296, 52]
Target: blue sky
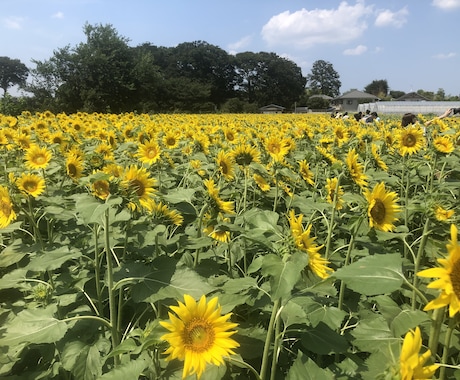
[413, 44]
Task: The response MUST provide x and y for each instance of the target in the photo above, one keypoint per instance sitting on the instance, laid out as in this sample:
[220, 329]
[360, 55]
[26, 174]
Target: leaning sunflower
[7, 214]
[198, 334]
[37, 157]
[74, 166]
[356, 168]
[382, 207]
[306, 173]
[449, 277]
[304, 242]
[224, 162]
[411, 140]
[331, 187]
[411, 364]
[31, 184]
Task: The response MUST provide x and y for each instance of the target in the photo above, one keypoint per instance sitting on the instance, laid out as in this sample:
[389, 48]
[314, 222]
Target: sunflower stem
[276, 349]
[421, 250]
[112, 300]
[198, 234]
[268, 338]
[97, 272]
[331, 222]
[445, 353]
[242, 363]
[437, 320]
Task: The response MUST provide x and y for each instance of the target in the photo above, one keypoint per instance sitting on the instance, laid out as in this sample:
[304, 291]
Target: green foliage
[323, 79]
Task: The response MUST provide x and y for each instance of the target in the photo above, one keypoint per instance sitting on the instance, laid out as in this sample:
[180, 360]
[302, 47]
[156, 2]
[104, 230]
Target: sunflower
[225, 165]
[411, 140]
[149, 152]
[213, 191]
[261, 182]
[7, 214]
[277, 148]
[411, 364]
[171, 139]
[101, 188]
[31, 184]
[37, 157]
[331, 188]
[216, 231]
[198, 334]
[74, 166]
[382, 207]
[138, 183]
[161, 210]
[341, 134]
[376, 154]
[443, 144]
[317, 264]
[356, 168]
[441, 214]
[306, 173]
[246, 154]
[449, 277]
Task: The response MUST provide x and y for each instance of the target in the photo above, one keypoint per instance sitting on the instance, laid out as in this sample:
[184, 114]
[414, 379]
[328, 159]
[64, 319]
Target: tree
[323, 79]
[267, 78]
[378, 88]
[12, 72]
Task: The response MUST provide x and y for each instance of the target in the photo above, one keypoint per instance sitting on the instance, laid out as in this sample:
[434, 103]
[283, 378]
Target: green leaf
[406, 320]
[292, 313]
[284, 274]
[372, 275]
[50, 260]
[14, 253]
[90, 359]
[12, 279]
[180, 195]
[34, 326]
[304, 368]
[129, 370]
[324, 341]
[371, 334]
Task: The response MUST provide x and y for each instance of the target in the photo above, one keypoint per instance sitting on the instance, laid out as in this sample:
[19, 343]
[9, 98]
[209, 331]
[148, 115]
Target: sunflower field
[228, 247]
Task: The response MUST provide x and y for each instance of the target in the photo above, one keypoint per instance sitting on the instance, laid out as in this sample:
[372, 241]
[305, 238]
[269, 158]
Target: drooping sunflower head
[334, 193]
[356, 168]
[198, 334]
[411, 363]
[306, 173]
[261, 182]
[246, 154]
[7, 214]
[382, 207]
[225, 164]
[443, 215]
[411, 140]
[37, 157]
[31, 184]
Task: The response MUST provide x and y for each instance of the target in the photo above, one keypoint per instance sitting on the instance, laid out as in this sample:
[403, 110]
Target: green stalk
[97, 271]
[241, 363]
[421, 250]
[347, 261]
[276, 348]
[112, 301]
[268, 338]
[331, 222]
[437, 319]
[445, 354]
[198, 233]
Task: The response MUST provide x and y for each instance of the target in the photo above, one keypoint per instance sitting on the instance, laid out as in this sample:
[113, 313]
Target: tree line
[105, 74]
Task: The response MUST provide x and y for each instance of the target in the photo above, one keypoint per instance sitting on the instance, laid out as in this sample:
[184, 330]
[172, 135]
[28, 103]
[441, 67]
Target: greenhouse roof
[402, 107]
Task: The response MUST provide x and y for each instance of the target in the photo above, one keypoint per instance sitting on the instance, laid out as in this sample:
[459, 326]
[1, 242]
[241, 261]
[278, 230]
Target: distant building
[272, 108]
[412, 97]
[349, 101]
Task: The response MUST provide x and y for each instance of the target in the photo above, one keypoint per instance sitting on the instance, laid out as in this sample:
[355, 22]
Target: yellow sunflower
[317, 264]
[306, 173]
[74, 166]
[225, 165]
[261, 182]
[160, 210]
[149, 152]
[31, 184]
[376, 154]
[382, 207]
[443, 144]
[138, 183]
[442, 215]
[331, 188]
[221, 205]
[101, 189]
[246, 154]
[356, 168]
[277, 148]
[411, 363]
[411, 140]
[37, 157]
[216, 231]
[449, 277]
[7, 214]
[171, 139]
[198, 334]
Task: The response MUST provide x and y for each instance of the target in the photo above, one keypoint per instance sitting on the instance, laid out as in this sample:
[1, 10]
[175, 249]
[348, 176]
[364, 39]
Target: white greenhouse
[402, 107]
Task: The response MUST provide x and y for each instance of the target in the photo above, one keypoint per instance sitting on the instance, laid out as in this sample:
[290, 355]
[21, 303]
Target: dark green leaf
[304, 368]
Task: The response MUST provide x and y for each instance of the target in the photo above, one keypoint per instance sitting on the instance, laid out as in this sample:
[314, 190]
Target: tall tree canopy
[12, 72]
[323, 79]
[378, 88]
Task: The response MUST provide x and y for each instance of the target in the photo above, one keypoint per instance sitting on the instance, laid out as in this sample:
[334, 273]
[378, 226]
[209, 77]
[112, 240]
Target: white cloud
[58, 15]
[389, 18]
[237, 46]
[445, 56]
[446, 4]
[305, 28]
[13, 22]
[358, 50]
